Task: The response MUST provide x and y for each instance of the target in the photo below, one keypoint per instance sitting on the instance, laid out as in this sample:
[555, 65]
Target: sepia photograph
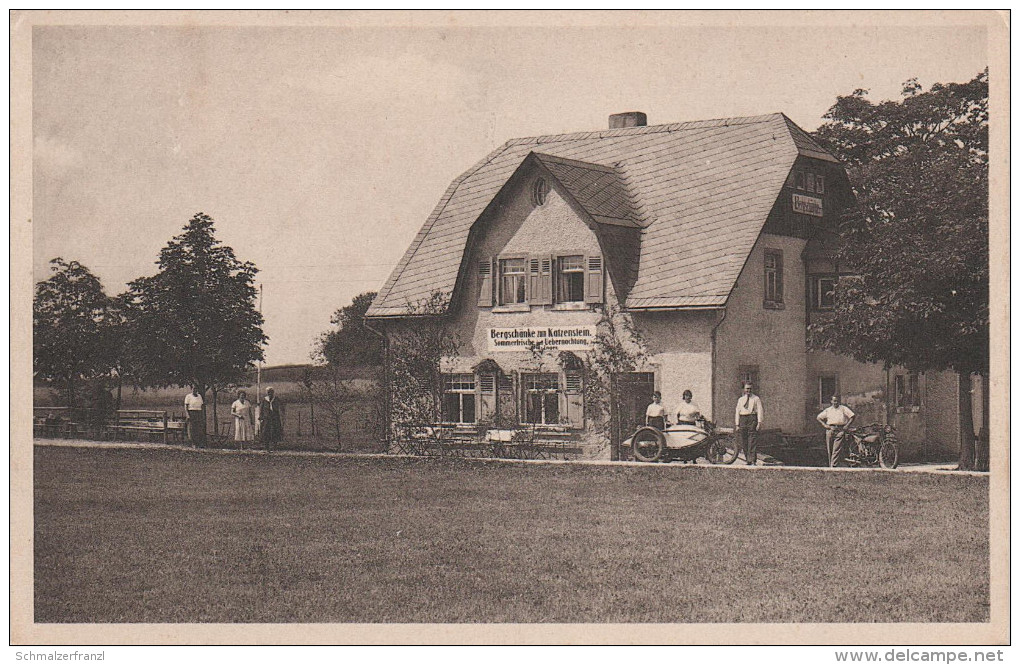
[510, 328]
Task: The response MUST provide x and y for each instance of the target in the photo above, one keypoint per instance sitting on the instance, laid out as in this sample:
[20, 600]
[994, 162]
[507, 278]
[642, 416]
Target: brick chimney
[628, 119]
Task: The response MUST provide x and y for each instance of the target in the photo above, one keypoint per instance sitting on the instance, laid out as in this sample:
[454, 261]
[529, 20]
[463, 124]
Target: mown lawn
[177, 536]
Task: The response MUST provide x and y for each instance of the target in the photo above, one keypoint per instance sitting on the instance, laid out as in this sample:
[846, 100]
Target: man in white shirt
[835, 419]
[655, 414]
[194, 407]
[748, 419]
[688, 412]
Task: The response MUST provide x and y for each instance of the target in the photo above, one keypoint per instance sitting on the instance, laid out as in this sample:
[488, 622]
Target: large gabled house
[716, 239]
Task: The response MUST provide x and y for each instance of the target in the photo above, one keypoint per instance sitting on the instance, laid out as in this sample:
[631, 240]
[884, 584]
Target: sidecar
[683, 443]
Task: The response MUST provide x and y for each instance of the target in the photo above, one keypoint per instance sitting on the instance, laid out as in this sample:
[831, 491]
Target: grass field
[163, 535]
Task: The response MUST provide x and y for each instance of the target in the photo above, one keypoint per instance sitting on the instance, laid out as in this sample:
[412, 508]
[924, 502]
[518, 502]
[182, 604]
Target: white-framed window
[541, 398]
[823, 290]
[570, 279]
[459, 398]
[773, 276]
[513, 280]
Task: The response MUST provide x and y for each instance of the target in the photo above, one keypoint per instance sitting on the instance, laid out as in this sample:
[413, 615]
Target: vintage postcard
[510, 328]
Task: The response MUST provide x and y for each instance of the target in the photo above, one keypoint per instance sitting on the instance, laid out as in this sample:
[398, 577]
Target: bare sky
[319, 152]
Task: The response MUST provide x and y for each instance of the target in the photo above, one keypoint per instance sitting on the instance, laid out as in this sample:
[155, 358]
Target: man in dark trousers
[271, 419]
[748, 422]
[194, 406]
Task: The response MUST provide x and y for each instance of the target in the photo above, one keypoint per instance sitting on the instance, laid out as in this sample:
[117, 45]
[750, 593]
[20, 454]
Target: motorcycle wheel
[722, 451]
[889, 455]
[649, 444]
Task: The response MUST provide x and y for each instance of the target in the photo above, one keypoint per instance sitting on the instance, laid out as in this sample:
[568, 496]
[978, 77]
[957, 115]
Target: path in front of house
[943, 468]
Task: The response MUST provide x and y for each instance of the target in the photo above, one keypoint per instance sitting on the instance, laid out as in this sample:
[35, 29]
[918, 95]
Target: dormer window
[539, 192]
[808, 181]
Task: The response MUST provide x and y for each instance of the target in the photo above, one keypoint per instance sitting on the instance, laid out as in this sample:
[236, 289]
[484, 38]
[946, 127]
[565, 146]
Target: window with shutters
[541, 398]
[570, 279]
[773, 278]
[459, 398]
[513, 279]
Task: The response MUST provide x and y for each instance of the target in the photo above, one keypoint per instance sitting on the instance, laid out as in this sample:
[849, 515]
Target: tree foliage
[71, 327]
[195, 321]
[618, 349]
[418, 347]
[350, 343]
[917, 241]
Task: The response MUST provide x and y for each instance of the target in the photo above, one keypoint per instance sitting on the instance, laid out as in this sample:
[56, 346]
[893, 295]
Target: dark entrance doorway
[635, 390]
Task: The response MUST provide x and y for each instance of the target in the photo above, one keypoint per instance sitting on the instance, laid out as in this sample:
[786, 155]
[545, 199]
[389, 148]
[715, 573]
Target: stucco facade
[716, 247]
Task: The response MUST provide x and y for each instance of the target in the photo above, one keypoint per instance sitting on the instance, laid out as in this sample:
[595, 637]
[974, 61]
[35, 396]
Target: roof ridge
[566, 160]
[430, 222]
[647, 129]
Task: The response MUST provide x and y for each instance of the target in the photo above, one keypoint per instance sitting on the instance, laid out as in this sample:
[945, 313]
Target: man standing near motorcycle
[835, 419]
[748, 422]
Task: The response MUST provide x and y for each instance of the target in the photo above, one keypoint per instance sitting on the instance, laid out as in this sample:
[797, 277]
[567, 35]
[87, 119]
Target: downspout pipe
[722, 318]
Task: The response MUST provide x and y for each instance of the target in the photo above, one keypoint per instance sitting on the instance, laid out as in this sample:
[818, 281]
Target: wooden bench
[54, 421]
[132, 423]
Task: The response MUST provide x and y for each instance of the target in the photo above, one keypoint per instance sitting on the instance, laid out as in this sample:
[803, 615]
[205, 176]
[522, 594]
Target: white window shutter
[486, 281]
[594, 282]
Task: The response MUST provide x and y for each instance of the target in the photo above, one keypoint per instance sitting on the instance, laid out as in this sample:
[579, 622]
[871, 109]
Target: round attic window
[539, 191]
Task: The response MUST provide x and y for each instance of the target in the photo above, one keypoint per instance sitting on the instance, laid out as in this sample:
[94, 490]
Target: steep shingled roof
[700, 192]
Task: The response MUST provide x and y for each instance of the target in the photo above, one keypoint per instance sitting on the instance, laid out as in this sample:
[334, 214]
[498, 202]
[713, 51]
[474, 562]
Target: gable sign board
[549, 338]
[808, 205]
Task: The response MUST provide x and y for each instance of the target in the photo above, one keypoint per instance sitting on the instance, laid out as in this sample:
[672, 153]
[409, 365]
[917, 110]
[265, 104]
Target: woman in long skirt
[244, 419]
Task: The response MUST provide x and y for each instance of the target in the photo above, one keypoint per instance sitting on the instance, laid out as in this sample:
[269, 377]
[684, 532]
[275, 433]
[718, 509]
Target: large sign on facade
[549, 338]
[807, 205]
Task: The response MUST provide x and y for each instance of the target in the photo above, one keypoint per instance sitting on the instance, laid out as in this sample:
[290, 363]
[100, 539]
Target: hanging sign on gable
[807, 205]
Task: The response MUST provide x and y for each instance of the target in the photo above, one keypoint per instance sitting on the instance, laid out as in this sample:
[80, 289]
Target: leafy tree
[350, 344]
[918, 239]
[418, 346]
[619, 348]
[195, 322]
[70, 326]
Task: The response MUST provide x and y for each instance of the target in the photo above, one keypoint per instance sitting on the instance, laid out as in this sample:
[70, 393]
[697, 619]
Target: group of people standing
[268, 415]
[748, 418]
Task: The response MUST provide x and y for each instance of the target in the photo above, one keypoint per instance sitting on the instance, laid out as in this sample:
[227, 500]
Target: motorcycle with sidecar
[683, 442]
